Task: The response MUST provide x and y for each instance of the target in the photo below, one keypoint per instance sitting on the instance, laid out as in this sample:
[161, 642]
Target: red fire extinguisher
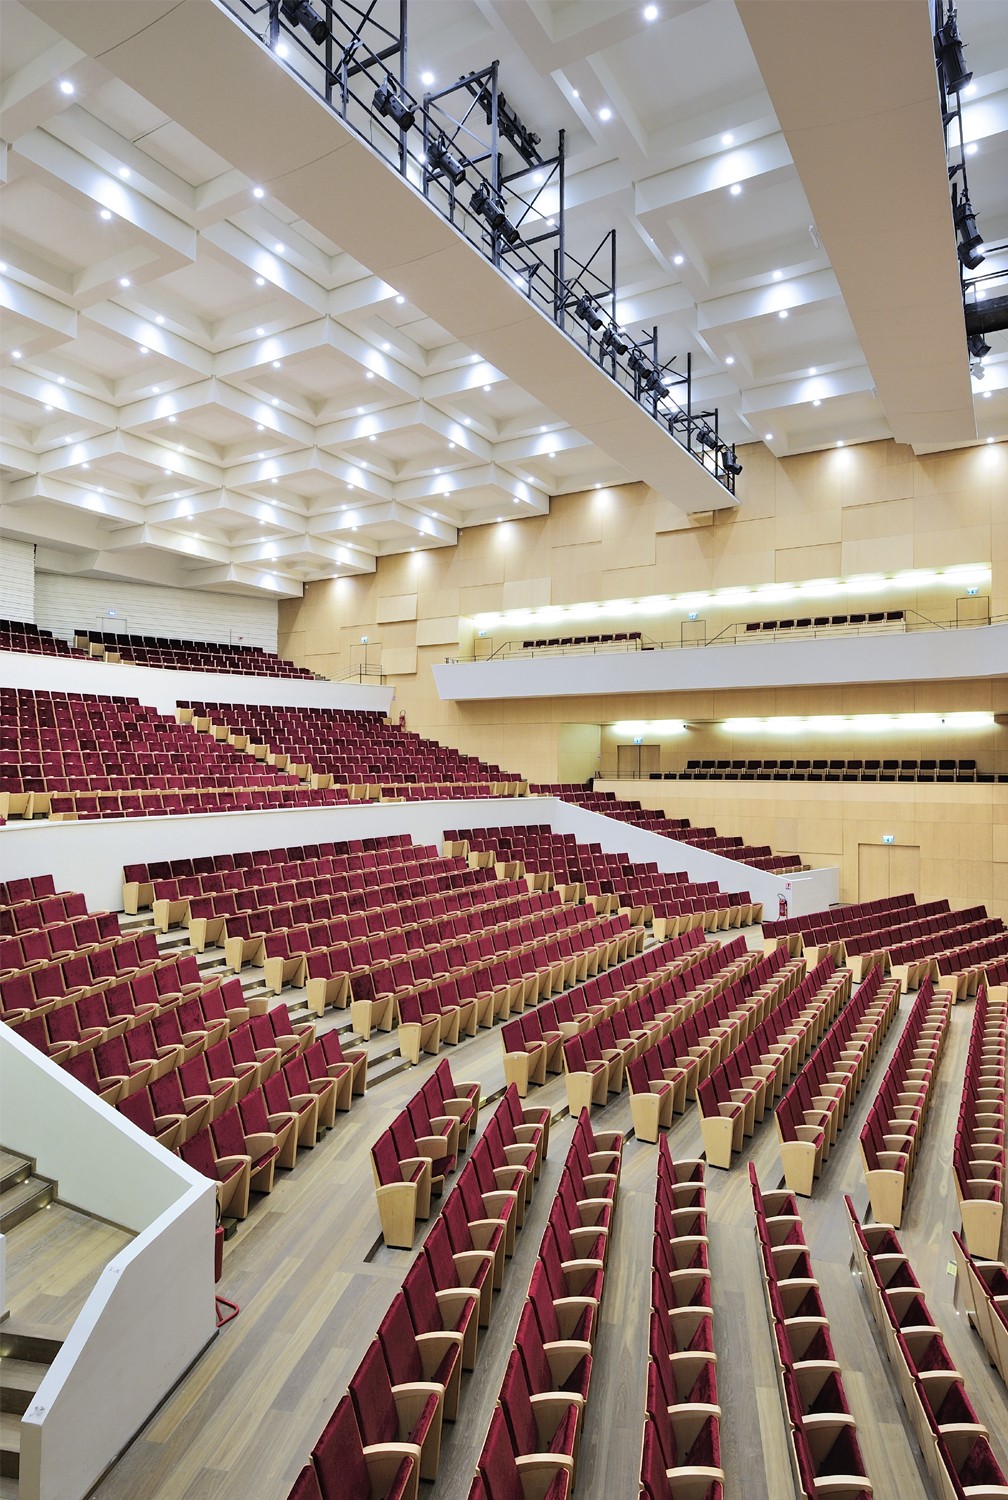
[781, 906]
[402, 718]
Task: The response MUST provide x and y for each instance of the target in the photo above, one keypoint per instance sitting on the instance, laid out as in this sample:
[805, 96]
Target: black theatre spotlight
[613, 342]
[485, 203]
[586, 310]
[731, 463]
[387, 102]
[300, 13]
[440, 159]
[970, 238]
[656, 384]
[978, 345]
[637, 361]
[706, 436]
[949, 47]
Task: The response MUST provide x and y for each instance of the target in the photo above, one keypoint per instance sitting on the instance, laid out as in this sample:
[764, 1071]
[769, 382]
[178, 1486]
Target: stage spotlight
[978, 345]
[970, 238]
[587, 312]
[637, 361]
[488, 206]
[949, 47]
[387, 102]
[731, 463]
[300, 13]
[706, 436]
[440, 159]
[613, 342]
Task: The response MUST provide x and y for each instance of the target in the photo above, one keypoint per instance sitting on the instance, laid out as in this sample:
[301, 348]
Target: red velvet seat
[346, 1470]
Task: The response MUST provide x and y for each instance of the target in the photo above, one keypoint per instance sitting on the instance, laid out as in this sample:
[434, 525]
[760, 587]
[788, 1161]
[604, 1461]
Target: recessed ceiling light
[444, 494]
[156, 389]
[839, 442]
[272, 481]
[500, 518]
[768, 437]
[275, 402]
[989, 441]
[276, 364]
[159, 320]
[87, 466]
[260, 427]
[15, 354]
[650, 12]
[552, 455]
[144, 349]
[260, 281]
[370, 375]
[605, 114]
[813, 370]
[124, 173]
[986, 395]
[260, 332]
[166, 471]
[427, 78]
[677, 260]
[61, 380]
[47, 407]
[729, 359]
[777, 275]
[598, 486]
[124, 281]
[575, 93]
[972, 149]
[66, 87]
[727, 139]
[105, 213]
[258, 192]
[486, 388]
[783, 313]
[171, 419]
[400, 300]
[3, 266]
[735, 189]
[817, 402]
[372, 438]
[451, 445]
[360, 411]
[467, 422]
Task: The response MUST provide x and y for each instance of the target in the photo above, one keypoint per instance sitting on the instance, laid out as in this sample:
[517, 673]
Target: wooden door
[887, 870]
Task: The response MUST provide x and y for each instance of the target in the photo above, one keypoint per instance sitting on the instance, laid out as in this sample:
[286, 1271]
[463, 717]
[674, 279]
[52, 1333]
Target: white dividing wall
[89, 856]
[17, 580]
[163, 689]
[152, 1311]
[64, 604]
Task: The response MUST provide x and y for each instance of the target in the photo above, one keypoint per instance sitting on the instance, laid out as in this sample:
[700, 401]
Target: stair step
[23, 1199]
[19, 1380]
[33, 1343]
[10, 1444]
[13, 1168]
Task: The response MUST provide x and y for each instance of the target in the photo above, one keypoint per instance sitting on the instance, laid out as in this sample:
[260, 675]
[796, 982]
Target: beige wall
[868, 508]
[961, 832]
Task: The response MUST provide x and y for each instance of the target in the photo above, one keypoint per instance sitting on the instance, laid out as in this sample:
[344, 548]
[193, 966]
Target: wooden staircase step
[13, 1168]
[32, 1343]
[19, 1380]
[23, 1199]
[10, 1444]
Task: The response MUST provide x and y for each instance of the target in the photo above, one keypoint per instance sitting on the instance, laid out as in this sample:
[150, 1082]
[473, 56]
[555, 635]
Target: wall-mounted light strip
[961, 576]
[659, 727]
[825, 724]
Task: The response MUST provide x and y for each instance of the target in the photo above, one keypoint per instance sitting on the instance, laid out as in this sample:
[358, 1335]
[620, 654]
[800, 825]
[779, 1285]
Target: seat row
[385, 1433]
[819, 1100]
[531, 1449]
[822, 1433]
[681, 1454]
[978, 1155]
[954, 1442]
[735, 1096]
[984, 1287]
[894, 1125]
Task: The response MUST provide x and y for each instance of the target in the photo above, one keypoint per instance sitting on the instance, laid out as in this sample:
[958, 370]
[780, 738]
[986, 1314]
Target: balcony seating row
[689, 1013]
[820, 622]
[385, 1433]
[984, 1287]
[185, 656]
[624, 638]
[978, 1155]
[819, 1100]
[822, 1434]
[20, 636]
[735, 1096]
[894, 1125]
[834, 769]
[681, 1455]
[531, 1449]
[955, 1444]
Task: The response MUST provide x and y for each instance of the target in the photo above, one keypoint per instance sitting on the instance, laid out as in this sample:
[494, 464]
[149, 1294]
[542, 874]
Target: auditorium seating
[78, 755]
[19, 635]
[834, 769]
[955, 1444]
[626, 639]
[984, 1287]
[186, 656]
[822, 1434]
[894, 1125]
[819, 1100]
[978, 1155]
[355, 749]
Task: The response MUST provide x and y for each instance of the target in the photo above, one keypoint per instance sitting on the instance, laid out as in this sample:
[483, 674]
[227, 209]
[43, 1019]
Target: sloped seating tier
[893, 1128]
[531, 1448]
[842, 769]
[19, 635]
[911, 940]
[984, 1287]
[713, 992]
[744, 1081]
[822, 1434]
[78, 755]
[186, 656]
[955, 1444]
[357, 750]
[731, 847]
[671, 902]
[819, 1100]
[978, 1155]
[682, 1417]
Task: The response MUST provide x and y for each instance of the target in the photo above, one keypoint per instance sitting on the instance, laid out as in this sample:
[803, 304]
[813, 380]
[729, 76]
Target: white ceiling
[171, 419]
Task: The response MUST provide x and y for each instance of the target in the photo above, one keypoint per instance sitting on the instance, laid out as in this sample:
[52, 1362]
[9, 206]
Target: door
[637, 761]
[887, 870]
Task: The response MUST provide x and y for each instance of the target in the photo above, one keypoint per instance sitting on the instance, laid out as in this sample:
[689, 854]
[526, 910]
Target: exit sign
[888, 838]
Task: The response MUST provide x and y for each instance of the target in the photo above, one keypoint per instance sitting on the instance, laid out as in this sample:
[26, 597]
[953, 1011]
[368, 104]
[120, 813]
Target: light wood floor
[53, 1261]
[312, 1287]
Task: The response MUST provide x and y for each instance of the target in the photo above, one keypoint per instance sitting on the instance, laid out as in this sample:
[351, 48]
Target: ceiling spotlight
[15, 354]
[768, 437]
[105, 213]
[650, 12]
[817, 402]
[66, 87]
[727, 139]
[258, 192]
[949, 52]
[124, 173]
[677, 260]
[970, 238]
[707, 437]
[124, 281]
[159, 320]
[585, 310]
[783, 313]
[655, 383]
[300, 13]
[427, 78]
[260, 281]
[440, 159]
[735, 189]
[387, 102]
[730, 462]
[978, 345]
[972, 149]
[729, 359]
[400, 300]
[613, 342]
[488, 205]
[605, 114]
[637, 361]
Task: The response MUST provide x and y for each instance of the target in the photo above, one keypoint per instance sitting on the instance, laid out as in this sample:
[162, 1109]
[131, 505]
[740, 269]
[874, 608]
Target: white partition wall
[152, 1311]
